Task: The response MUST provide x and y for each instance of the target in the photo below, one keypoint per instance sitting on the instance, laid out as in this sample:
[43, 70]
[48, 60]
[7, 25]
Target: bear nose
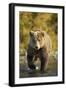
[36, 47]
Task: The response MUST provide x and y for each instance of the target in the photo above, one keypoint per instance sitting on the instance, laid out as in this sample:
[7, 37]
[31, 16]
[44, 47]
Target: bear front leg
[30, 62]
[44, 60]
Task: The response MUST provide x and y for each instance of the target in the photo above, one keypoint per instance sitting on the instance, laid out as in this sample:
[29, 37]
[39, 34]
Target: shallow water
[25, 72]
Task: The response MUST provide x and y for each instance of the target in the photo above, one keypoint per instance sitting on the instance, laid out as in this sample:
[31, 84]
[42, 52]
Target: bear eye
[33, 40]
[39, 39]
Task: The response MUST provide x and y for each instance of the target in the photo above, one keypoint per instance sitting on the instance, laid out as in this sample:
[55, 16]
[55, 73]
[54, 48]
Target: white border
[40, 79]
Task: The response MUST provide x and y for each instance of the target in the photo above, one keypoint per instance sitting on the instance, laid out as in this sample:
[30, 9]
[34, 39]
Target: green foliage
[44, 21]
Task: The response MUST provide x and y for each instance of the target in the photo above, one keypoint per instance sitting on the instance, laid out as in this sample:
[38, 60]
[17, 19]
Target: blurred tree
[32, 20]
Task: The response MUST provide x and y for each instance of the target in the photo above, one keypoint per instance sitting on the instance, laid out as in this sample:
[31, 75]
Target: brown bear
[39, 47]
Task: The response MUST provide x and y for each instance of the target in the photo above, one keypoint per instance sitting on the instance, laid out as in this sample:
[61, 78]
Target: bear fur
[39, 47]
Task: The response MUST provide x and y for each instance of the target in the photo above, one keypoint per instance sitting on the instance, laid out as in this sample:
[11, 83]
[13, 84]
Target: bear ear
[31, 33]
[42, 33]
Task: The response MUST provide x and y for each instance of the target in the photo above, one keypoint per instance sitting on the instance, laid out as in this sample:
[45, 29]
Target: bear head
[37, 39]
